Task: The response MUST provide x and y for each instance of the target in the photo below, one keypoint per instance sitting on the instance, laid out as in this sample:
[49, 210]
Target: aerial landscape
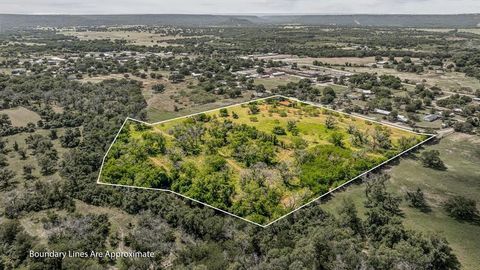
[249, 141]
[258, 160]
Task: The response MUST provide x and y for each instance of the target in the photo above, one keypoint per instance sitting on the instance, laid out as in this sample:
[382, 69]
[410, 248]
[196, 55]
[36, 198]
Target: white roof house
[384, 112]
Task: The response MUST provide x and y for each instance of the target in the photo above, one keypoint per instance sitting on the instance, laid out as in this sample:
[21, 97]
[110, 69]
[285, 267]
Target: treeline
[308, 239]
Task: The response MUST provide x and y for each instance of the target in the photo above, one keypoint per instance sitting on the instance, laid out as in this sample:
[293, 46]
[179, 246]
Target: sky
[239, 6]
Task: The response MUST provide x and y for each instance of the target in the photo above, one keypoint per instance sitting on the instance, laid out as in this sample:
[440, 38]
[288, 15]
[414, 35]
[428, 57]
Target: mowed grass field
[461, 154]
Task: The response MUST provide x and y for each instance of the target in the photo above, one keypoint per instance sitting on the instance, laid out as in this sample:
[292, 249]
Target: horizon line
[242, 14]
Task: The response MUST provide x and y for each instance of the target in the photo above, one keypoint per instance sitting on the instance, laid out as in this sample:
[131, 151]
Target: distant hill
[447, 21]
[9, 21]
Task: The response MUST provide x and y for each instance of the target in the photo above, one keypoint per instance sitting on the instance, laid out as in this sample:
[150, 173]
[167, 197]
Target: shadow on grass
[474, 220]
[423, 208]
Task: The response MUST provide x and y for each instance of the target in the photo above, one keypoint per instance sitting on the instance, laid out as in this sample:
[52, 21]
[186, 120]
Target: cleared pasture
[21, 116]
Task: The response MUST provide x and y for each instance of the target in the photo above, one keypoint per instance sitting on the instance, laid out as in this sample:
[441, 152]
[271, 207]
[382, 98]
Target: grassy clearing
[156, 113]
[449, 81]
[445, 30]
[177, 100]
[339, 60]
[461, 154]
[339, 89]
[16, 164]
[21, 116]
[138, 38]
[271, 83]
[119, 220]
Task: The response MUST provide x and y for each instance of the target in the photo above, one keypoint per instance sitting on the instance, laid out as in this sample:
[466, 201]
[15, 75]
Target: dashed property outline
[431, 136]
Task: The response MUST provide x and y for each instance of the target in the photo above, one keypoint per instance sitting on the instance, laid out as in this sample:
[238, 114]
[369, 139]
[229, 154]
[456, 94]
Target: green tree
[28, 172]
[253, 107]
[71, 138]
[53, 134]
[348, 216]
[215, 189]
[6, 177]
[292, 127]
[47, 162]
[336, 138]
[431, 159]
[417, 199]
[158, 88]
[462, 208]
[330, 122]
[154, 143]
[381, 139]
[278, 130]
[3, 161]
[223, 112]
[404, 143]
[328, 95]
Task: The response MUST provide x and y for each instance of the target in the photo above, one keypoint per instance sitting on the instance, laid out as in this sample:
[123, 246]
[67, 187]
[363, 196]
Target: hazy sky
[238, 6]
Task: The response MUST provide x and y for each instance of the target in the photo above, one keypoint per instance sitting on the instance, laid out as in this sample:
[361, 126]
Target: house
[431, 117]
[301, 73]
[258, 94]
[366, 92]
[353, 96]
[383, 112]
[196, 74]
[55, 61]
[402, 118]
[277, 74]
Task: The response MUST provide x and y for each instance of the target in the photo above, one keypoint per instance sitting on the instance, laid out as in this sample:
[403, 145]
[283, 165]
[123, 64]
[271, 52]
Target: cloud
[238, 6]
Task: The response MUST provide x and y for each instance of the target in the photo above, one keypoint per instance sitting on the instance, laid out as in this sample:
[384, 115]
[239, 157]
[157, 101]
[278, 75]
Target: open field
[156, 113]
[336, 60]
[461, 155]
[17, 164]
[21, 116]
[120, 220]
[288, 151]
[449, 81]
[178, 99]
[445, 30]
[271, 83]
[138, 38]
[161, 106]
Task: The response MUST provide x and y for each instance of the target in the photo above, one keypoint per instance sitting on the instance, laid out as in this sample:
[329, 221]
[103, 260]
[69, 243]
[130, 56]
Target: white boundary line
[351, 180]
[246, 102]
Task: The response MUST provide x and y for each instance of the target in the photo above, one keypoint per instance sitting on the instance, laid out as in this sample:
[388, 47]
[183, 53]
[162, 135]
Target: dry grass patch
[21, 116]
